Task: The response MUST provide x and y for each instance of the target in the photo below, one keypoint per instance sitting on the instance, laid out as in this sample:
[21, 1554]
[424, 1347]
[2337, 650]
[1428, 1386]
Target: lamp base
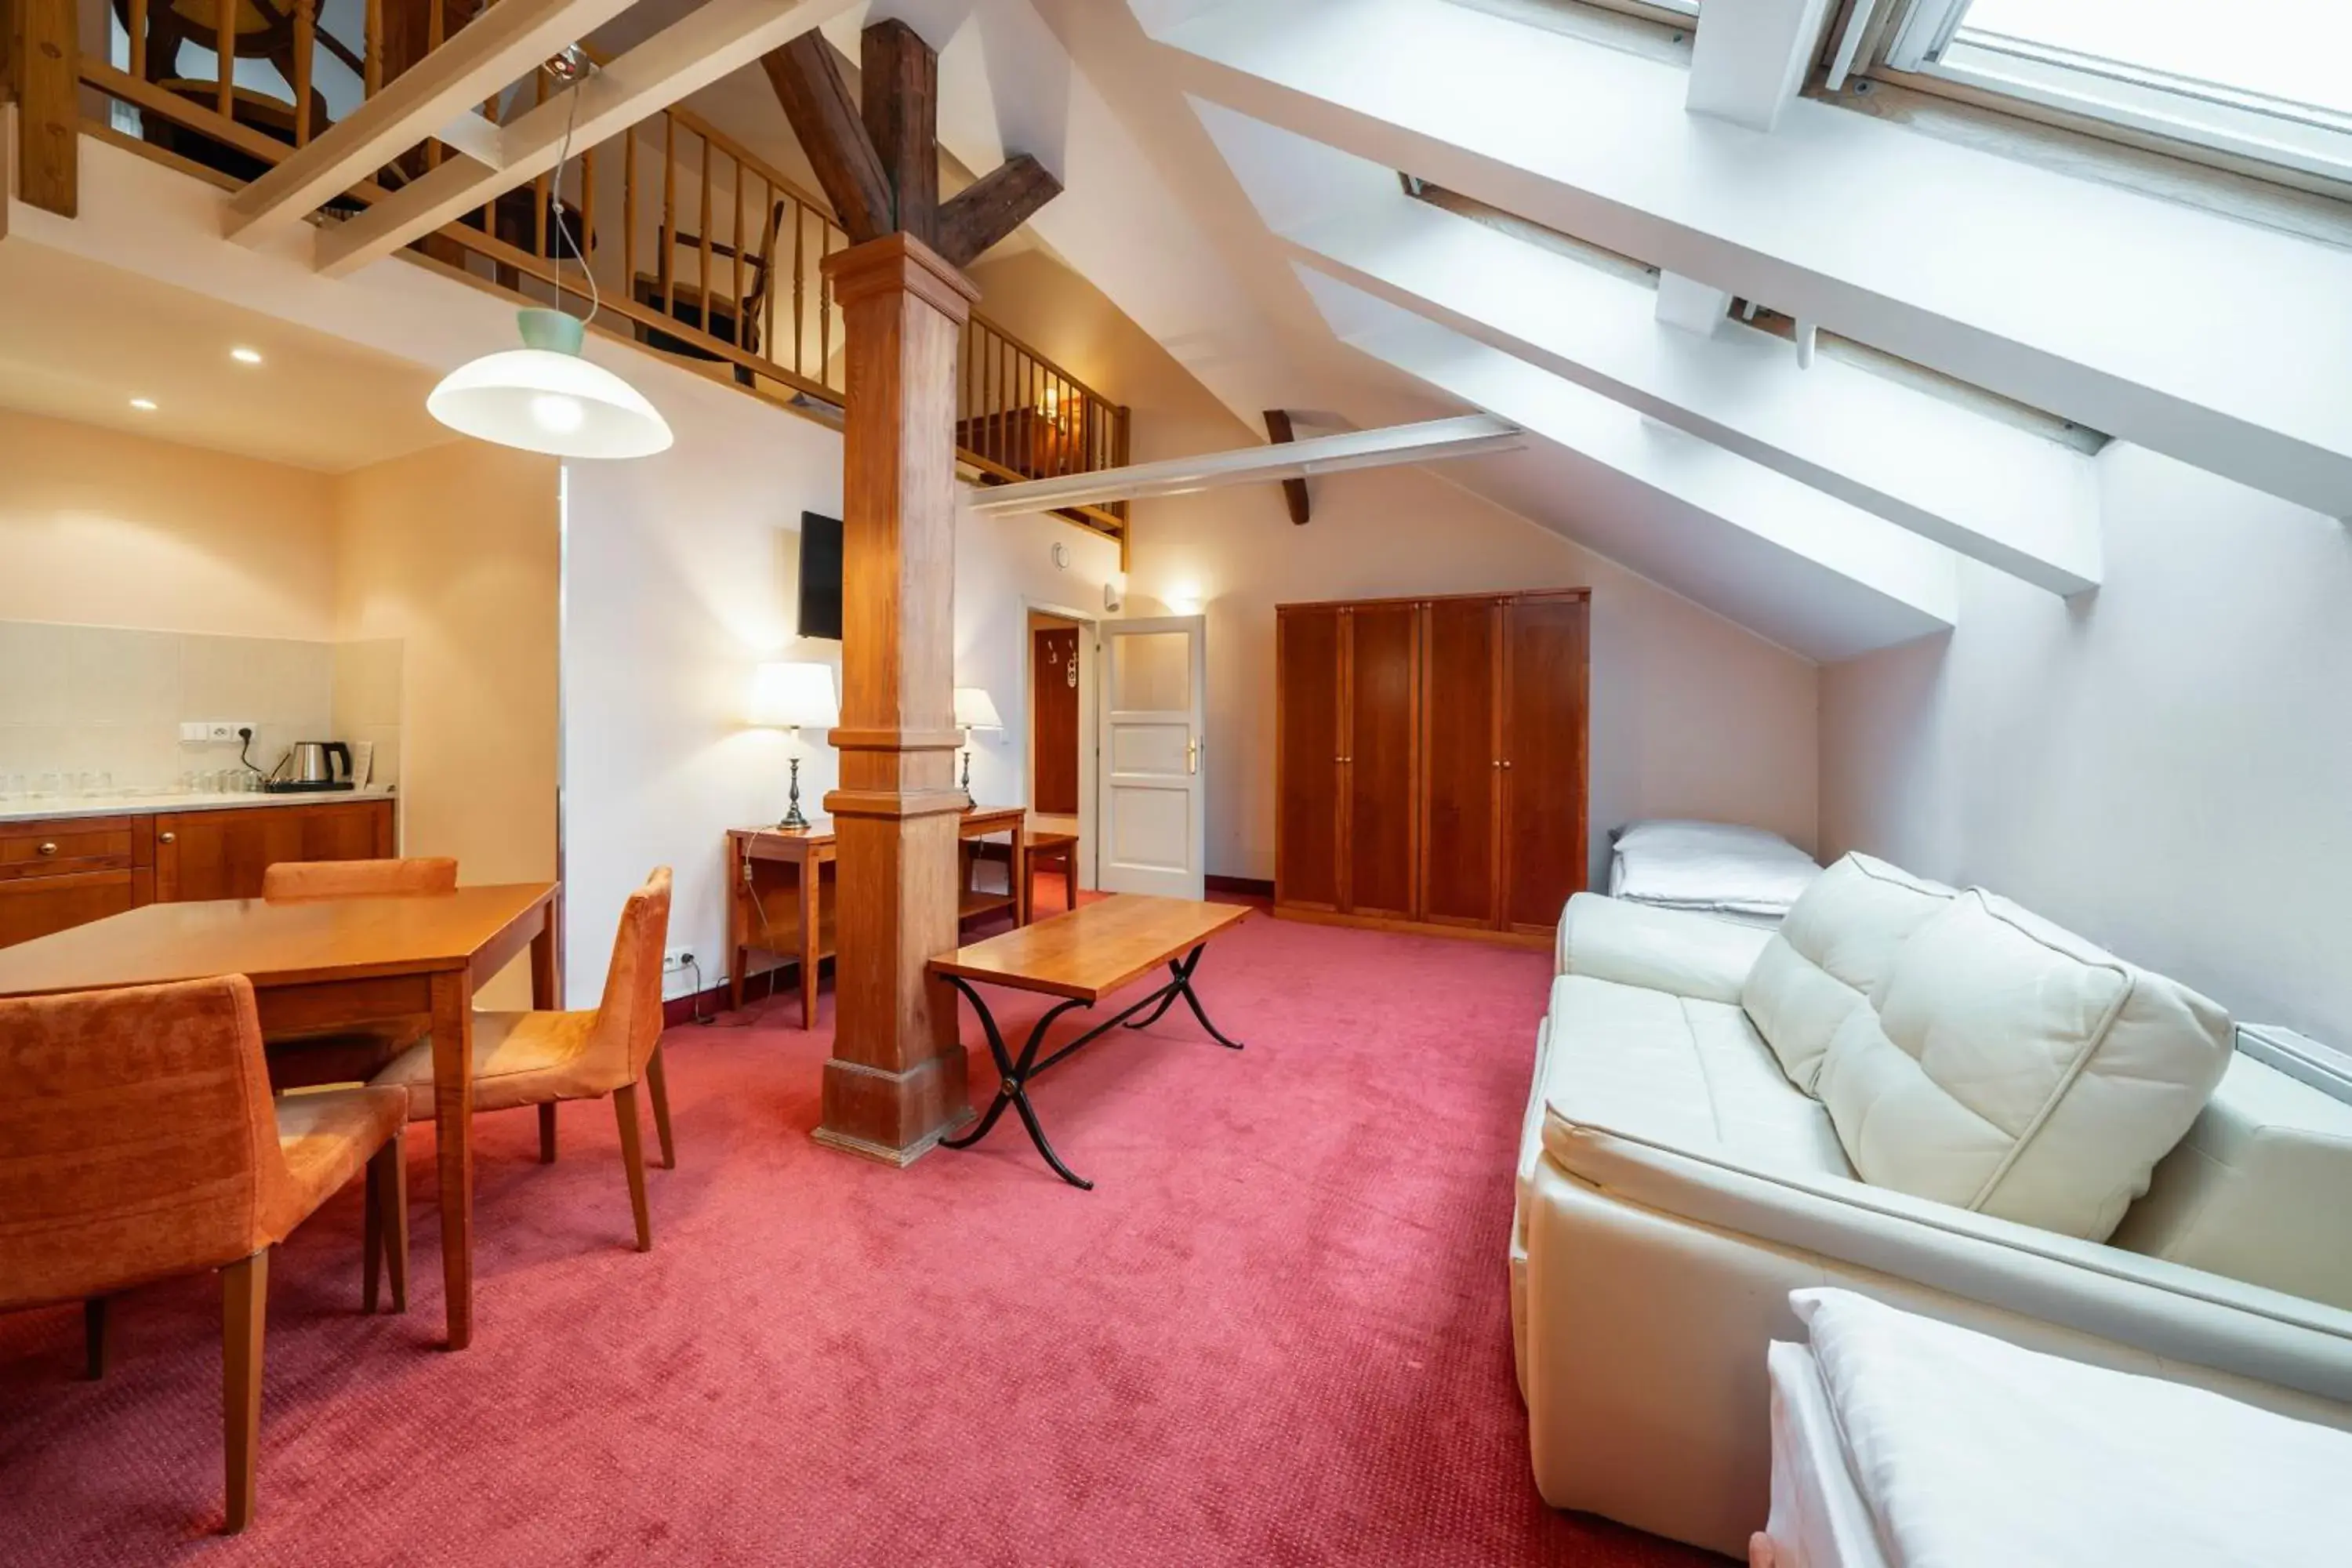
[794, 822]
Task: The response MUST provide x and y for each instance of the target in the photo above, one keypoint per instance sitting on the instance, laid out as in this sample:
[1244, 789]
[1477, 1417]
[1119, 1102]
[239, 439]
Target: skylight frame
[1927, 45]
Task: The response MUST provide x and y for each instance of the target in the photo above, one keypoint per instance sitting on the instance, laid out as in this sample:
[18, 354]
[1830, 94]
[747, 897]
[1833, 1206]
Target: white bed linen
[1969, 1451]
[1713, 868]
[1819, 1519]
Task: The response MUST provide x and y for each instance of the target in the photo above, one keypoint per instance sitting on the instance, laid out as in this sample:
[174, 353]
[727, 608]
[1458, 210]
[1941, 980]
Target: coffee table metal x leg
[1014, 1074]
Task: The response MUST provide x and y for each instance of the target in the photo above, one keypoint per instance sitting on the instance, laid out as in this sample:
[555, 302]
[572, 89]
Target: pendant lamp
[544, 396]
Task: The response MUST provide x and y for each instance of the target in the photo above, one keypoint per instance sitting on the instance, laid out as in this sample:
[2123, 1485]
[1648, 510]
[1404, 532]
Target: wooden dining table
[323, 963]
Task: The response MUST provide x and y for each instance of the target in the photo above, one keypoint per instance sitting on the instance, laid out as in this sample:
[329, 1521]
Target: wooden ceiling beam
[503, 43]
[1294, 491]
[992, 206]
[900, 87]
[709, 42]
[807, 77]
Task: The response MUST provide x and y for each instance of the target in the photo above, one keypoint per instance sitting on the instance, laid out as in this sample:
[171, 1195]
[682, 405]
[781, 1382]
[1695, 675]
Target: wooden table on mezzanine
[792, 917]
[323, 963]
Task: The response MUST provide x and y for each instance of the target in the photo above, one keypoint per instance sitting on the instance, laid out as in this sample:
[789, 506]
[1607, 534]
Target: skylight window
[2274, 49]
[2265, 80]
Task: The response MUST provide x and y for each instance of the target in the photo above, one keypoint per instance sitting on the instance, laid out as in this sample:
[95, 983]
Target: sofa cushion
[1688, 953]
[1677, 1071]
[2013, 1067]
[1832, 956]
[2256, 1189]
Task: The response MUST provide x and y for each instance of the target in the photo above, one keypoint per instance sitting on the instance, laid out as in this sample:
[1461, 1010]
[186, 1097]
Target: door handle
[1193, 754]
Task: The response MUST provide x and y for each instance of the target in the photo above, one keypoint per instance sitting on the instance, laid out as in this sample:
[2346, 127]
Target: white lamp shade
[975, 709]
[545, 399]
[794, 697]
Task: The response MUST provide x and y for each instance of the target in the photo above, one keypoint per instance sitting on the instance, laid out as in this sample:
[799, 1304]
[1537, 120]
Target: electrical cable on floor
[752, 886]
[694, 1014]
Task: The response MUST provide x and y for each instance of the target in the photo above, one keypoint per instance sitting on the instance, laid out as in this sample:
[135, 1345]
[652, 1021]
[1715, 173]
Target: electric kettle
[313, 766]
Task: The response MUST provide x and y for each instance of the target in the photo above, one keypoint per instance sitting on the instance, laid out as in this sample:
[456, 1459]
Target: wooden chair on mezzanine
[138, 1141]
[349, 1055]
[544, 1058]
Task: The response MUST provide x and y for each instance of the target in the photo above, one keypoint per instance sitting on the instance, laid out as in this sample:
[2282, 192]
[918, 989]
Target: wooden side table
[780, 894]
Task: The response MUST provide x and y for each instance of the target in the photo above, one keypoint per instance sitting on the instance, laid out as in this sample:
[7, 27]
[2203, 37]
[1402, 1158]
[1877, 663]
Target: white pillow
[1834, 949]
[2012, 1068]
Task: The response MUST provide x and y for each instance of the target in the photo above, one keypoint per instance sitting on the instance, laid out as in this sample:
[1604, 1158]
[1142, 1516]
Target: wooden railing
[706, 251]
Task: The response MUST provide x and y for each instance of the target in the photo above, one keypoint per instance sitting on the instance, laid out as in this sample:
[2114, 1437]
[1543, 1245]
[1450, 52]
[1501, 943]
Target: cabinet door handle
[1507, 761]
[167, 838]
[49, 849]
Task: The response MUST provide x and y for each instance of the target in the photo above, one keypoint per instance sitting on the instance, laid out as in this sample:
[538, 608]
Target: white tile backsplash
[101, 699]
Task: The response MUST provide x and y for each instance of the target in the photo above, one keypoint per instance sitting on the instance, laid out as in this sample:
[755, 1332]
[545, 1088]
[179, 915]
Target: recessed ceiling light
[246, 356]
[145, 405]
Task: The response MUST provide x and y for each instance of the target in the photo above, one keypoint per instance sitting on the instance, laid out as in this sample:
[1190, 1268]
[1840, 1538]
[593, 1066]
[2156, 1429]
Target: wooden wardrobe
[1430, 760]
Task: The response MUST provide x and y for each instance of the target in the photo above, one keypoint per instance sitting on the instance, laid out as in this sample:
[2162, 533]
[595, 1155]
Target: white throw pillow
[2012, 1068]
[1831, 954]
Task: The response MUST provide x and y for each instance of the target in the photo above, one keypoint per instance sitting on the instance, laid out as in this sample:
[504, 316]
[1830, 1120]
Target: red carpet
[1276, 1333]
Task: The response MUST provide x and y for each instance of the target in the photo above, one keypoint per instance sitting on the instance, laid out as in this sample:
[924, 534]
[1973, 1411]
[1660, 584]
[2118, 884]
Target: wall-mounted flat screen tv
[820, 576]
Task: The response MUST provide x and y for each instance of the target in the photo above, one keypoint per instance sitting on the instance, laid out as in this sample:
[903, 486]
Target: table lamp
[974, 710]
[794, 697]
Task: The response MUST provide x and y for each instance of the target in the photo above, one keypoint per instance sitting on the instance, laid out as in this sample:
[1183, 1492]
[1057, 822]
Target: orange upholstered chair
[349, 1055]
[137, 1141]
[359, 878]
[541, 1058]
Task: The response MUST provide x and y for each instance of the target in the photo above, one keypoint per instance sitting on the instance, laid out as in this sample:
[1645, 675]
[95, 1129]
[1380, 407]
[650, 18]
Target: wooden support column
[896, 1082]
[44, 70]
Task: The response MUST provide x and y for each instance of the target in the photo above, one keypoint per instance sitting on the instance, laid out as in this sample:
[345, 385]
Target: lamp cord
[562, 224]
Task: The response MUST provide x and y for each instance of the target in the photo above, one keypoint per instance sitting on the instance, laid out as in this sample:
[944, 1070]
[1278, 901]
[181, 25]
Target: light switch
[195, 732]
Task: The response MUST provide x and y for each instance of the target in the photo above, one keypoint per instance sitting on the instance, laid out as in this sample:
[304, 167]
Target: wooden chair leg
[387, 1200]
[633, 1155]
[96, 1328]
[658, 1081]
[372, 1234]
[244, 1313]
[547, 1133]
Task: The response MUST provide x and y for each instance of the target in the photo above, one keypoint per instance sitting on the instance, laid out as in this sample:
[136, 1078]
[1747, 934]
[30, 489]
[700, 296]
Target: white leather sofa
[1928, 1097]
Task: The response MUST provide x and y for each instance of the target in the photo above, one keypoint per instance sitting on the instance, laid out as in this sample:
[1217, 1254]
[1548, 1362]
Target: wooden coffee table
[1082, 957]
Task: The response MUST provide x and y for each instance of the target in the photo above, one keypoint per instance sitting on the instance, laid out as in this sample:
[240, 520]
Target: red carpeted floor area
[1276, 1333]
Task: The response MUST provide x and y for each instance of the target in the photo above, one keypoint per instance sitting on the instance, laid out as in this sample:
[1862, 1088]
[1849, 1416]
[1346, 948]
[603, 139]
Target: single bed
[1746, 875]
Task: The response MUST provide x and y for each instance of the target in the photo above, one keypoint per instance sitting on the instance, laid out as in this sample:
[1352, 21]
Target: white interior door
[1151, 802]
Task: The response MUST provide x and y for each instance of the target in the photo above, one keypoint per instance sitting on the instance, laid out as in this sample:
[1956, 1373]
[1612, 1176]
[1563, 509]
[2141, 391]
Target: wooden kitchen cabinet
[62, 871]
[222, 853]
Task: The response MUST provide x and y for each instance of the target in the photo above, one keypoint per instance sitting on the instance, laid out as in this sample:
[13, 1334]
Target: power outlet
[676, 958]
[222, 730]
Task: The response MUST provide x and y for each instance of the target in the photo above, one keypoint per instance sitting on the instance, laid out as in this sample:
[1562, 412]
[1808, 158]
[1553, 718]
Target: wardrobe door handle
[167, 838]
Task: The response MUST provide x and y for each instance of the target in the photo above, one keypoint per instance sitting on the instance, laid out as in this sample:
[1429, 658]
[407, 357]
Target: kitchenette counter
[40, 808]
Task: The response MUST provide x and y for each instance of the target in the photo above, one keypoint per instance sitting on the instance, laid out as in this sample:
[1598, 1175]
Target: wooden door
[1378, 753]
[1307, 765]
[1461, 772]
[222, 853]
[1053, 721]
[1547, 659]
[1152, 797]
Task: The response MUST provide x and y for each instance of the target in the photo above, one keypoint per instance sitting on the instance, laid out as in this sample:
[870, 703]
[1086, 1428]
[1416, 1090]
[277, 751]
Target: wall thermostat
[1061, 555]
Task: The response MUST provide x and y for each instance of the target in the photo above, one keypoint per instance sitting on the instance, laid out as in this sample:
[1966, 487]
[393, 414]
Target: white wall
[2165, 766]
[682, 574]
[1692, 714]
